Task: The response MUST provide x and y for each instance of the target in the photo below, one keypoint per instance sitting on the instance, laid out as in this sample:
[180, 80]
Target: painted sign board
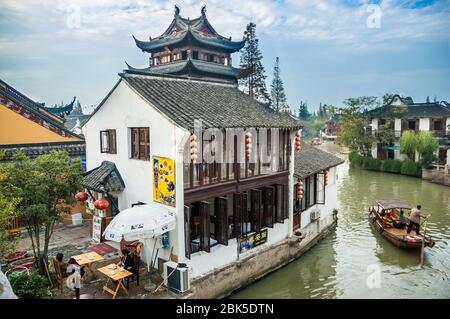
[164, 180]
[252, 241]
[97, 229]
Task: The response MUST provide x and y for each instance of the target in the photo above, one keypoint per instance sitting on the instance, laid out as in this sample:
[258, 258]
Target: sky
[329, 50]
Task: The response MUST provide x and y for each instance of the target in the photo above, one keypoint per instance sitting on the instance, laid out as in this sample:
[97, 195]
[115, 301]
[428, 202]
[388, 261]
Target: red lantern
[299, 189]
[248, 144]
[81, 196]
[325, 177]
[193, 147]
[298, 145]
[101, 204]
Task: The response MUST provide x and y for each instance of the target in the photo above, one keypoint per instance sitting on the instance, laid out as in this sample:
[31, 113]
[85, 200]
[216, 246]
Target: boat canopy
[393, 203]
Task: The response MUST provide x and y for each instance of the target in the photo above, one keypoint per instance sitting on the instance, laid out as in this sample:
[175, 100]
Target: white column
[398, 127]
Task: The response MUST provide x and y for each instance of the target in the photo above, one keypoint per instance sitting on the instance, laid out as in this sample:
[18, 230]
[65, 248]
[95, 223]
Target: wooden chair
[59, 275]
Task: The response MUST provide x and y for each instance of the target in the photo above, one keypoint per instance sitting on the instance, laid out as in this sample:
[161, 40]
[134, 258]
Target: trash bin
[77, 219]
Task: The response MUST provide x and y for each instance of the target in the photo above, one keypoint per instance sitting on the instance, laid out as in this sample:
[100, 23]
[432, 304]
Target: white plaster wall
[220, 255]
[447, 124]
[448, 157]
[374, 150]
[374, 125]
[398, 125]
[330, 202]
[124, 109]
[424, 124]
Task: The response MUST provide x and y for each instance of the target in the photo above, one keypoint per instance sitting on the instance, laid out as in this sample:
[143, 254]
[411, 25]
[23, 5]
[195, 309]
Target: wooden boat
[397, 236]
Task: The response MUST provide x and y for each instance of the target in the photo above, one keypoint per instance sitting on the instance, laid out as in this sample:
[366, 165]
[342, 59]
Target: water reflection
[339, 266]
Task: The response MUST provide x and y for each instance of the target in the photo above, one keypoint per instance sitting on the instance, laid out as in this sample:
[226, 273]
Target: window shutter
[256, 210]
[237, 214]
[135, 143]
[187, 231]
[280, 204]
[205, 227]
[112, 141]
[221, 223]
[268, 201]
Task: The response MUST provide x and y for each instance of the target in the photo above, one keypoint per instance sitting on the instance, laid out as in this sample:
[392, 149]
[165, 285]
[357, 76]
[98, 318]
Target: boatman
[414, 220]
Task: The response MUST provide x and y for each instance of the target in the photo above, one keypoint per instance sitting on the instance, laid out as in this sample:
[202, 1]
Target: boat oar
[423, 239]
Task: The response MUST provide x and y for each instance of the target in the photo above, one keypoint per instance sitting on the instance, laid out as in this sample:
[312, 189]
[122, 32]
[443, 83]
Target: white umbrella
[140, 222]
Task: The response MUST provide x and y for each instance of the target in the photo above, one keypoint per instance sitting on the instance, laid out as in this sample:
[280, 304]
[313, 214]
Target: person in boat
[402, 222]
[414, 220]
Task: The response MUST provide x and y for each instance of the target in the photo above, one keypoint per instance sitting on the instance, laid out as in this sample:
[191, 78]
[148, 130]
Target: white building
[402, 114]
[235, 215]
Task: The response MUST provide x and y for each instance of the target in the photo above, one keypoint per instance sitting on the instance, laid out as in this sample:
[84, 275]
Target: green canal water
[354, 261]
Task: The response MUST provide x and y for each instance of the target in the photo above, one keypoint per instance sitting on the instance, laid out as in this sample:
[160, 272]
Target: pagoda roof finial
[204, 11]
[177, 10]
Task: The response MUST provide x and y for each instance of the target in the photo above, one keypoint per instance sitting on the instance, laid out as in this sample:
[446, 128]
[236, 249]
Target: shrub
[32, 286]
[355, 159]
[391, 166]
[411, 168]
[373, 164]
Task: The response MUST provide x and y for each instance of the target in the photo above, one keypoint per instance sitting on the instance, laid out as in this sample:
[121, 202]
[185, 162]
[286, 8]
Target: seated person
[383, 212]
[126, 261]
[402, 222]
[73, 266]
[390, 213]
[62, 264]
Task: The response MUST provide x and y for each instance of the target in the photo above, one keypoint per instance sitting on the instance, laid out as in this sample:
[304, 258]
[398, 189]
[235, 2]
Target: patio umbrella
[141, 222]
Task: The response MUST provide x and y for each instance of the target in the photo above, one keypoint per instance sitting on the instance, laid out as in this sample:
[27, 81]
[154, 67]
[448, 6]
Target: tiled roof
[197, 30]
[311, 160]
[217, 105]
[409, 109]
[187, 67]
[106, 177]
[33, 150]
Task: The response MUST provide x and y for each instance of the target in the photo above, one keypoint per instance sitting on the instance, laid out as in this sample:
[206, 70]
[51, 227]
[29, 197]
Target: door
[221, 223]
[256, 209]
[187, 231]
[268, 206]
[240, 214]
[205, 220]
[280, 204]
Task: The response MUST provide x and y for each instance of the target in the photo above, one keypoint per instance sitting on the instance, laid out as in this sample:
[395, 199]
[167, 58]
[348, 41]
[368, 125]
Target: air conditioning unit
[176, 278]
[315, 215]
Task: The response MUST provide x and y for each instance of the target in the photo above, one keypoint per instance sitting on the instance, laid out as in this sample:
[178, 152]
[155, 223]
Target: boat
[398, 236]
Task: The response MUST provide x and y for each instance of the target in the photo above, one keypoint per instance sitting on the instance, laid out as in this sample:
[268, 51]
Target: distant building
[401, 114]
[331, 128]
[72, 114]
[28, 126]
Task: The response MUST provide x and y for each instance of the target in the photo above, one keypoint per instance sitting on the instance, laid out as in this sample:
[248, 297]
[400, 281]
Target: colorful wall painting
[164, 180]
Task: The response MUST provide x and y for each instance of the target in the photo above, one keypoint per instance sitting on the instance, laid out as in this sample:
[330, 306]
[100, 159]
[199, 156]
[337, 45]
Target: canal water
[354, 261]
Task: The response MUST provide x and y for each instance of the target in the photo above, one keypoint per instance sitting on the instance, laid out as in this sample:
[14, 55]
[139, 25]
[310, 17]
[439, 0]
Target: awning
[140, 222]
[393, 203]
[105, 178]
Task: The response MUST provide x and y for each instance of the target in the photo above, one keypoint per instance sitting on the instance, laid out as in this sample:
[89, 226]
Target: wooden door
[256, 209]
[268, 205]
[205, 220]
[221, 223]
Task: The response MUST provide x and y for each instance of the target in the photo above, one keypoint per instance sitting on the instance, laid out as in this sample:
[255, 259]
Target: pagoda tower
[192, 49]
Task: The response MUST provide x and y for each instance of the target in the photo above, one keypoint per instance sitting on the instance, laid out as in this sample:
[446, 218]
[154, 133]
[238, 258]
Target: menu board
[97, 228]
[252, 240]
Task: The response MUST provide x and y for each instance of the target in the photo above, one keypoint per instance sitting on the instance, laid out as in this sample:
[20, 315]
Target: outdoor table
[87, 259]
[115, 275]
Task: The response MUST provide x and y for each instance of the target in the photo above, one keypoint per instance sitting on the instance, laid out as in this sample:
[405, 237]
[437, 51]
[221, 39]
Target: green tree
[277, 90]
[353, 126]
[408, 144]
[251, 58]
[427, 145]
[363, 103]
[387, 97]
[47, 186]
[7, 213]
[303, 111]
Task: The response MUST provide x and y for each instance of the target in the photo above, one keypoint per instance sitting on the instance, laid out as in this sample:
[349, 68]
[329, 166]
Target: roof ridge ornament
[203, 11]
[177, 10]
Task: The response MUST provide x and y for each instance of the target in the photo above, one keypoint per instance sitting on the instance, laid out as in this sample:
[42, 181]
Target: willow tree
[426, 146]
[408, 144]
[47, 186]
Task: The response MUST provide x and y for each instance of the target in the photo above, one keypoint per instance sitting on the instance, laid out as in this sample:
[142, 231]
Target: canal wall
[436, 176]
[222, 281]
